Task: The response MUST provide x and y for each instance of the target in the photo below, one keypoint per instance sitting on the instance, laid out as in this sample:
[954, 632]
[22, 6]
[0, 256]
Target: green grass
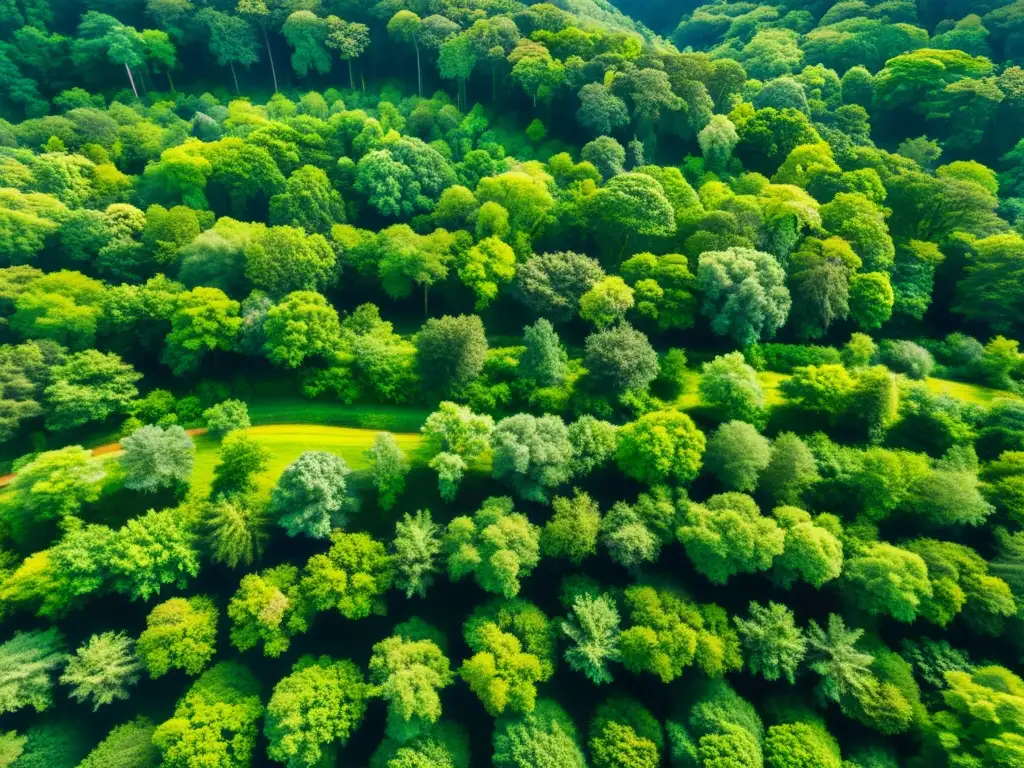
[969, 393]
[770, 382]
[287, 441]
[295, 410]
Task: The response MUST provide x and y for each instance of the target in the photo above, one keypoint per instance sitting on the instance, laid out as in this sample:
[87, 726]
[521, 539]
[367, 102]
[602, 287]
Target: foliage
[180, 634]
[156, 458]
[103, 669]
[311, 495]
[30, 659]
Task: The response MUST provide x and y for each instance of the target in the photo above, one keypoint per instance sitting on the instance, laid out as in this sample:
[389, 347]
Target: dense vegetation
[676, 348]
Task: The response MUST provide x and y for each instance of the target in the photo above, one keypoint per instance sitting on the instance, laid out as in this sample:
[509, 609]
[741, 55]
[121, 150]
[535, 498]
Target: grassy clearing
[770, 382]
[285, 410]
[287, 441]
[969, 393]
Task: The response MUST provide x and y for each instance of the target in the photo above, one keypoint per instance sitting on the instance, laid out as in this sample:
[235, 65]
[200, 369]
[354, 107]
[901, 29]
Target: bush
[909, 358]
[226, 417]
[783, 358]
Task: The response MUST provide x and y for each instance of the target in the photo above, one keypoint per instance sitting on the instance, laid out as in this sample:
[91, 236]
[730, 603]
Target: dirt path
[104, 450]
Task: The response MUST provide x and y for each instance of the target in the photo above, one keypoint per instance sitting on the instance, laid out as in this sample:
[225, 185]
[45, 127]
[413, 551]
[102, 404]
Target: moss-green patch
[969, 393]
[285, 410]
[287, 441]
[770, 382]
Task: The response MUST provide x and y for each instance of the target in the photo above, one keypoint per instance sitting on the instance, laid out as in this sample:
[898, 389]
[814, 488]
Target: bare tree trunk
[170, 82]
[142, 82]
[419, 68]
[362, 78]
[351, 77]
[270, 55]
[131, 80]
[235, 76]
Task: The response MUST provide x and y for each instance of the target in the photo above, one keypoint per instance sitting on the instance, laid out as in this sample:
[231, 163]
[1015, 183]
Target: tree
[152, 551]
[633, 204]
[774, 645]
[350, 39]
[498, 545]
[27, 673]
[307, 34]
[606, 302]
[621, 359]
[737, 454]
[500, 672]
[661, 446]
[408, 673]
[532, 454]
[833, 654]
[406, 27]
[88, 386]
[52, 486]
[241, 457]
[717, 141]
[129, 745]
[285, 259]
[623, 733]
[601, 111]
[745, 295]
[812, 549]
[103, 669]
[731, 388]
[484, 267]
[989, 291]
[231, 40]
[319, 705]
[407, 258]
[205, 320]
[450, 352]
[388, 468]
[446, 744]
[544, 738]
[268, 607]
[226, 416]
[728, 535]
[593, 444]
[236, 529]
[301, 326]
[970, 729]
[792, 745]
[572, 531]
[415, 548]
[606, 154]
[552, 284]
[309, 202]
[593, 629]
[450, 468]
[216, 721]
[352, 577]
[544, 360]
[888, 580]
[663, 288]
[311, 495]
[156, 458]
[457, 430]
[180, 633]
[791, 469]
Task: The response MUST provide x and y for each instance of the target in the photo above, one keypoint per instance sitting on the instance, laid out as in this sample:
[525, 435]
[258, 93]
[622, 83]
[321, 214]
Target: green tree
[728, 535]
[593, 629]
[745, 295]
[624, 733]
[152, 551]
[606, 302]
[532, 454]
[663, 288]
[731, 388]
[888, 580]
[446, 744]
[621, 359]
[774, 646]
[155, 458]
[205, 320]
[601, 111]
[301, 326]
[352, 577]
[415, 548]
[240, 458]
[544, 738]
[285, 259]
[970, 728]
[226, 416]
[269, 608]
[180, 633]
[309, 202]
[103, 669]
[52, 486]
[311, 495]
[484, 267]
[544, 360]
[408, 673]
[498, 545]
[30, 661]
[552, 284]
[350, 39]
[216, 721]
[593, 443]
[450, 352]
[833, 654]
[737, 454]
[319, 705]
[88, 386]
[989, 291]
[500, 672]
[572, 531]
[661, 446]
[792, 745]
[231, 40]
[307, 34]
[388, 468]
[129, 745]
[812, 550]
[791, 469]
[406, 27]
